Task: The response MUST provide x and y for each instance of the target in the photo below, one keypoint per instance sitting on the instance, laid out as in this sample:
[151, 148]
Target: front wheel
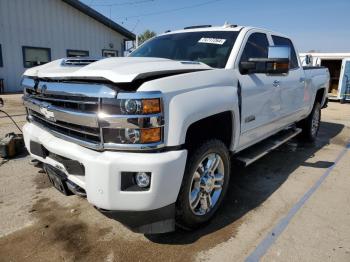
[311, 124]
[204, 184]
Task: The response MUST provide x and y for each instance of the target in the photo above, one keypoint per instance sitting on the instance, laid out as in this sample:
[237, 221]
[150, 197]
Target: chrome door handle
[276, 83]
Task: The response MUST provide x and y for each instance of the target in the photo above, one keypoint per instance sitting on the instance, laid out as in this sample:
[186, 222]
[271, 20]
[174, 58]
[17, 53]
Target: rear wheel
[204, 184]
[311, 124]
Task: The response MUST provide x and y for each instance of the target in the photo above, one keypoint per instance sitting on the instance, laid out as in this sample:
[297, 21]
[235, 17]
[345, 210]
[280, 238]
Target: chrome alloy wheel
[315, 122]
[206, 185]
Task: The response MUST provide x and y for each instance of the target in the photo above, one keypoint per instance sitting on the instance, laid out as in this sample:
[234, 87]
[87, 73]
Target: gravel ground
[37, 223]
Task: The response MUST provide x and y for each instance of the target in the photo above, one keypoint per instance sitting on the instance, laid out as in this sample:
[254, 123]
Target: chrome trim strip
[130, 121]
[128, 147]
[65, 115]
[76, 89]
[63, 126]
[101, 130]
[140, 95]
[62, 100]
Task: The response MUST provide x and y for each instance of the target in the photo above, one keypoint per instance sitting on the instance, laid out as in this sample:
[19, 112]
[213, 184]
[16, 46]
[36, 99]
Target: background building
[34, 32]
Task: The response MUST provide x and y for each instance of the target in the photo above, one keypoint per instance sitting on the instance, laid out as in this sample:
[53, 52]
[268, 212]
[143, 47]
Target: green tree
[145, 36]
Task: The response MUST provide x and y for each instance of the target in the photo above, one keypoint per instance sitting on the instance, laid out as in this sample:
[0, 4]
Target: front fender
[190, 107]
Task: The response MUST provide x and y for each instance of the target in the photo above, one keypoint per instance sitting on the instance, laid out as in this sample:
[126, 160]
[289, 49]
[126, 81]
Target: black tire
[309, 130]
[185, 216]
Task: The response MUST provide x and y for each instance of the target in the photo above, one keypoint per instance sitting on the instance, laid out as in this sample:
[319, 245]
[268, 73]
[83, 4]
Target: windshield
[211, 48]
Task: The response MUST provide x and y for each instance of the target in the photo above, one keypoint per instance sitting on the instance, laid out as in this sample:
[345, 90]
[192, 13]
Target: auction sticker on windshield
[214, 41]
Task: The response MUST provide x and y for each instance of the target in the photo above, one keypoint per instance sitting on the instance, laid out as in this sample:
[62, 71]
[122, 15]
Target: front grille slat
[70, 127]
[67, 132]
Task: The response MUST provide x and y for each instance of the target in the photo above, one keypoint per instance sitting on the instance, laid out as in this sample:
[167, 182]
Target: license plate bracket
[58, 179]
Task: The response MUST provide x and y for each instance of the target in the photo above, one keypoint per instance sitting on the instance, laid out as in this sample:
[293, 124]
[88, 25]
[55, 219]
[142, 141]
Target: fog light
[142, 179]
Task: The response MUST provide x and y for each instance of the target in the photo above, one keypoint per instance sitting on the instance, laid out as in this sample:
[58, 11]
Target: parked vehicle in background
[149, 139]
[338, 65]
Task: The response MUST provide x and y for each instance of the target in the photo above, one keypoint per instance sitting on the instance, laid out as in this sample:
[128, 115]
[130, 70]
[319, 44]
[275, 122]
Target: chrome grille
[79, 132]
[68, 110]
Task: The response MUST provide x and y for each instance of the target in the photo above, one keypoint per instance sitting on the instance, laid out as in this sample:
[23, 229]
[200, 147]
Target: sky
[321, 25]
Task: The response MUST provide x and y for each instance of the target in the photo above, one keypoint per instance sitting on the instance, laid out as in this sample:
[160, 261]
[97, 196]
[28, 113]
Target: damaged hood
[116, 69]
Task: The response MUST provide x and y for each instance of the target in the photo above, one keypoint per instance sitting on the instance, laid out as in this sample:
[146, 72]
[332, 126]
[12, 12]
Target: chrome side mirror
[279, 52]
[276, 63]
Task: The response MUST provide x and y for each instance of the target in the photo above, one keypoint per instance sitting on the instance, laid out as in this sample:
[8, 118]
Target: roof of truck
[225, 27]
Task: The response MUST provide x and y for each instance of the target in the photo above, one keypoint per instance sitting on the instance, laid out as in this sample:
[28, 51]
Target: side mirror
[277, 62]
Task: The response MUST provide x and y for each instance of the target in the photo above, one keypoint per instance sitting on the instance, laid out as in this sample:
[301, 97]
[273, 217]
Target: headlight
[140, 106]
[131, 106]
[132, 135]
[134, 119]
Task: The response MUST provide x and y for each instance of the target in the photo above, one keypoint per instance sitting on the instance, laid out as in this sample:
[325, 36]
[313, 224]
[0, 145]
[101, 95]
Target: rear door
[292, 85]
[261, 97]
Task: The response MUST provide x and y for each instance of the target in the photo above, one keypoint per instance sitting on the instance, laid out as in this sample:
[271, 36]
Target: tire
[311, 125]
[202, 183]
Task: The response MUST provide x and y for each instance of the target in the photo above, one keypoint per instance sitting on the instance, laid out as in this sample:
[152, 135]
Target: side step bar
[253, 153]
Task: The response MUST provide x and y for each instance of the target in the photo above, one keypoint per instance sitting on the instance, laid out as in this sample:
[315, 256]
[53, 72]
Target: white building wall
[51, 24]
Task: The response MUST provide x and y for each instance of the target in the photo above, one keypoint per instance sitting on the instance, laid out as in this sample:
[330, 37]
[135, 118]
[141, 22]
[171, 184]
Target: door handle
[276, 83]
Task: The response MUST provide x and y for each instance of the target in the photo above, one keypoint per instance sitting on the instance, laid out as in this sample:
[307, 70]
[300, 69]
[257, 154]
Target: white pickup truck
[149, 139]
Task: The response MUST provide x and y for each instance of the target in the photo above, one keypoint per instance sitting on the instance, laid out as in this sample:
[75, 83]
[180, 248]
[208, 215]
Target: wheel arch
[220, 126]
[320, 97]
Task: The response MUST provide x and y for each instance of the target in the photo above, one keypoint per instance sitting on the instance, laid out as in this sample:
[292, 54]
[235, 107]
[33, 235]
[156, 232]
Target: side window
[277, 40]
[256, 47]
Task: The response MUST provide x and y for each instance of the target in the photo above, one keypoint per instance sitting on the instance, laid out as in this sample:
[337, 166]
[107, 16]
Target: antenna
[227, 25]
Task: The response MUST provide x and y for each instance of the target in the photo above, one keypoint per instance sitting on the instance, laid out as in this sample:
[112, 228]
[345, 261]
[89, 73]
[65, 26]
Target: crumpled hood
[116, 69]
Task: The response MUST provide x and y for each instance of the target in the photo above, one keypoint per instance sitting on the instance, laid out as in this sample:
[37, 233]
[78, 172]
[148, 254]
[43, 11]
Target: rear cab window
[278, 40]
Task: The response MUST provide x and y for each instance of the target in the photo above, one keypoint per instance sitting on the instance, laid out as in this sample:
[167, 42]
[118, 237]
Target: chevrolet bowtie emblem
[47, 113]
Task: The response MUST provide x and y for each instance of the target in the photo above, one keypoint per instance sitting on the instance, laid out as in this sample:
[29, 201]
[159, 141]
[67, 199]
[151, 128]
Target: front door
[261, 95]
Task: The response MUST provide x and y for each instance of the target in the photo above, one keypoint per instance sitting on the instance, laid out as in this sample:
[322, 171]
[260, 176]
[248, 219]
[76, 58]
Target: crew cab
[149, 139]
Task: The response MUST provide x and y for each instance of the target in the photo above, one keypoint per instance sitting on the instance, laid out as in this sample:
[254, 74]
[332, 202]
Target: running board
[253, 153]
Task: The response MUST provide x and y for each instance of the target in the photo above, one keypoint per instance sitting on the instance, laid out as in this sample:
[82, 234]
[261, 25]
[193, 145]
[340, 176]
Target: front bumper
[102, 179]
